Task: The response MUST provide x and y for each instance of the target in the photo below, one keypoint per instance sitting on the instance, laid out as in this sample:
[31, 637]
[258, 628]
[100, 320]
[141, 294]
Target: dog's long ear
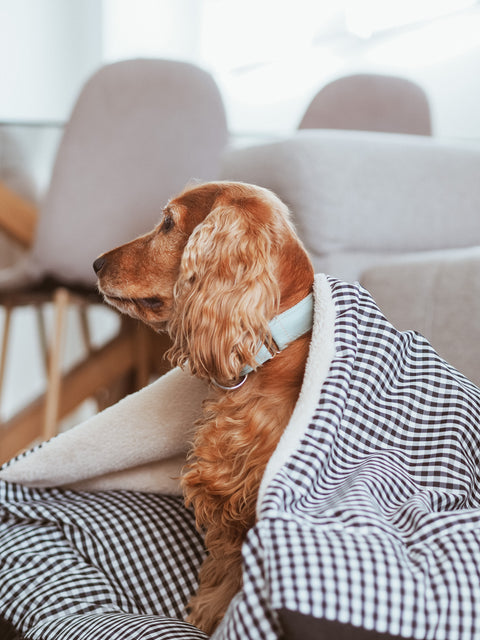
[226, 293]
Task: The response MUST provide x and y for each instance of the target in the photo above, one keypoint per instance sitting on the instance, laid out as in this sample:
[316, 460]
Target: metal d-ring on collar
[242, 380]
[284, 328]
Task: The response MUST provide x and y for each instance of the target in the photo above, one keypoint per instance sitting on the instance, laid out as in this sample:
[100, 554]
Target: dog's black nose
[98, 264]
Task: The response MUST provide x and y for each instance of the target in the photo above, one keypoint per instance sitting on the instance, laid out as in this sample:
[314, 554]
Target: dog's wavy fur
[223, 261]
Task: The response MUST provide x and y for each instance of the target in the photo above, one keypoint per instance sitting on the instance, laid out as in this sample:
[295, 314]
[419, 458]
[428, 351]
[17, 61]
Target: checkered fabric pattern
[374, 520]
[99, 566]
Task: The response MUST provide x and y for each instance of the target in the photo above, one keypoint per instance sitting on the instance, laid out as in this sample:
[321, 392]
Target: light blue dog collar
[285, 328]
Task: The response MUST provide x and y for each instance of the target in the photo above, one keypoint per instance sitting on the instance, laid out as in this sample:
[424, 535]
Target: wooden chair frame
[122, 365]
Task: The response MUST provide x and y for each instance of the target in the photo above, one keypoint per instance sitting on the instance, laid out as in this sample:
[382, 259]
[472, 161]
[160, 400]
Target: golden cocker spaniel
[221, 264]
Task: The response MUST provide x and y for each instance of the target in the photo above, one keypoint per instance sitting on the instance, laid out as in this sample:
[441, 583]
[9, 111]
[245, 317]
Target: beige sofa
[399, 213]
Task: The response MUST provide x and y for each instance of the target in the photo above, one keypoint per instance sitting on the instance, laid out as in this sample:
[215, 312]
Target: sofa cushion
[358, 197]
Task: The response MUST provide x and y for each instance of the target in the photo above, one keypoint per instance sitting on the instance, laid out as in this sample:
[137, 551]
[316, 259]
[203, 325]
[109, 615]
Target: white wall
[268, 57]
[158, 28]
[47, 49]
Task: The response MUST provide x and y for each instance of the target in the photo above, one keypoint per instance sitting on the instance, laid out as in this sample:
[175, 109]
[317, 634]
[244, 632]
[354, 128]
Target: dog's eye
[168, 223]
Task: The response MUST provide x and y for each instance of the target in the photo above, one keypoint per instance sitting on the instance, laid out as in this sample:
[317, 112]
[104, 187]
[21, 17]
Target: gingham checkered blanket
[368, 513]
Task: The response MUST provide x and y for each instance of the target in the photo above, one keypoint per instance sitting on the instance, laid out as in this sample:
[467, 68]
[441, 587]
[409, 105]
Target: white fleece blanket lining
[141, 442]
[322, 350]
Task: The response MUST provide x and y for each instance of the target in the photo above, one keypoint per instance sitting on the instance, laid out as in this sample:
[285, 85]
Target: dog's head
[217, 268]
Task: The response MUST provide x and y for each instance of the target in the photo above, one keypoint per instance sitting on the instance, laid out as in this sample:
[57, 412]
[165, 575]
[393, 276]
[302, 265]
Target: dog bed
[368, 513]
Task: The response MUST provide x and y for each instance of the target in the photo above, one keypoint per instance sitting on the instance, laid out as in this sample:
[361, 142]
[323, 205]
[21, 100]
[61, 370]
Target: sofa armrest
[437, 294]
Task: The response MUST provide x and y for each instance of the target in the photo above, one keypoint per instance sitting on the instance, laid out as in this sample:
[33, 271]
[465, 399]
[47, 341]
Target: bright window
[270, 57]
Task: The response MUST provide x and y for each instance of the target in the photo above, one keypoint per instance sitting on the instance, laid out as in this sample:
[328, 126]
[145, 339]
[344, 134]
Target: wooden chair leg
[82, 307]
[61, 300]
[85, 328]
[5, 336]
[143, 367]
[42, 335]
